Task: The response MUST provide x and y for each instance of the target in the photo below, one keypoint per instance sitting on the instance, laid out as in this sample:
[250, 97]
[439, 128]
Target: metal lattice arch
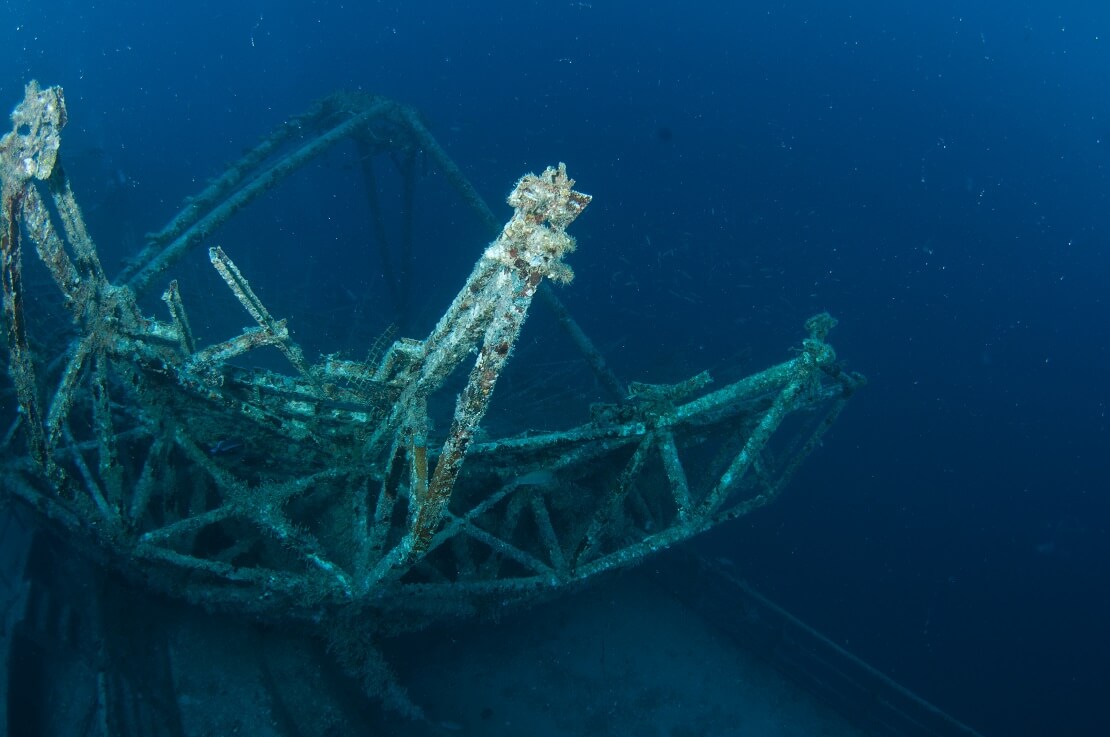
[111, 427]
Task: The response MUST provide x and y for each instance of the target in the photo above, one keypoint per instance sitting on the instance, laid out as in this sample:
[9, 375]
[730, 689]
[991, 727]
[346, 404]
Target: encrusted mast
[117, 419]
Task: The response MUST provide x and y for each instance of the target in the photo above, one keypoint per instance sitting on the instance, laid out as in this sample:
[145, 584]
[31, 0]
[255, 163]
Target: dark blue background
[934, 174]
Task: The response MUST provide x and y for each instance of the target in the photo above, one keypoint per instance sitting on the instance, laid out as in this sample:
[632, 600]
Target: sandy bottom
[622, 658]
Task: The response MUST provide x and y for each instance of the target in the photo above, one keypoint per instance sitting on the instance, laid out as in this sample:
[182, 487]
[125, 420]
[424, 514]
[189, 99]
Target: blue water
[933, 174]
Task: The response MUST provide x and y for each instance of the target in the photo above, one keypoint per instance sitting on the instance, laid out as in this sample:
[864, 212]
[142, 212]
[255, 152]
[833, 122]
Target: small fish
[540, 477]
[224, 446]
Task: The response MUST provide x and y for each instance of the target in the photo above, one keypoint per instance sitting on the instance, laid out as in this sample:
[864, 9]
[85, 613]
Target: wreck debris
[118, 431]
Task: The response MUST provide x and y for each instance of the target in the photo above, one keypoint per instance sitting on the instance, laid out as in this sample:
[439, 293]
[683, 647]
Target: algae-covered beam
[29, 152]
[593, 356]
[470, 196]
[489, 312]
[199, 205]
[431, 148]
[275, 329]
[152, 262]
[511, 269]
[531, 247]
[172, 298]
[20, 363]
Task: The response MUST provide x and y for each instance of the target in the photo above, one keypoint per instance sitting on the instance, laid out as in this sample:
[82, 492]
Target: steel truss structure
[114, 431]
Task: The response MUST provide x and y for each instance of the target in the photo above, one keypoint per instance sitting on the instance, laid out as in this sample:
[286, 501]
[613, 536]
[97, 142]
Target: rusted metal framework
[116, 418]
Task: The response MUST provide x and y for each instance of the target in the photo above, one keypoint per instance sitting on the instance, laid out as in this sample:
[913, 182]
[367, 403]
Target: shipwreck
[368, 513]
